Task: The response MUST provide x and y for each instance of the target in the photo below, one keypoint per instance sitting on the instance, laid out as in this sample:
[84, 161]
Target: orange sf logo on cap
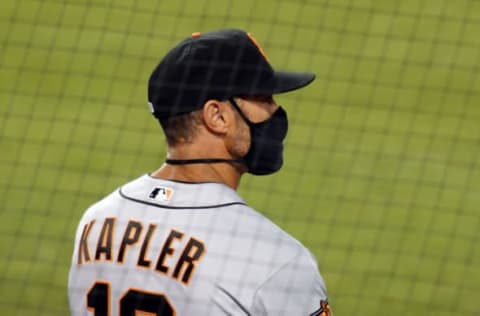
[254, 40]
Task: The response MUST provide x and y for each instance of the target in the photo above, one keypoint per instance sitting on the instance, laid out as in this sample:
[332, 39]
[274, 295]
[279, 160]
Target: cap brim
[289, 81]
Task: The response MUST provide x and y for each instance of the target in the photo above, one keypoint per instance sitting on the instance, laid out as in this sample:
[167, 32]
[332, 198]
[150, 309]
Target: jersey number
[132, 302]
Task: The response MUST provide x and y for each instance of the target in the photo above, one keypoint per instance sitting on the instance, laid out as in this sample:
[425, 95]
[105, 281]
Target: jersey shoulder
[294, 285]
[268, 268]
[269, 235]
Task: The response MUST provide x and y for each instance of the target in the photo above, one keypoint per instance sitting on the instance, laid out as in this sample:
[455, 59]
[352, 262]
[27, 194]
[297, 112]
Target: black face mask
[265, 155]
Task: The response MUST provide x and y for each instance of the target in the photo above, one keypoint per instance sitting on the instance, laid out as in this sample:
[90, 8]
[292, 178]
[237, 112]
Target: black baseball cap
[215, 65]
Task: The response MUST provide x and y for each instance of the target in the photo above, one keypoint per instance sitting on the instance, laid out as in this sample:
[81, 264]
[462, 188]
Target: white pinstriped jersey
[171, 248]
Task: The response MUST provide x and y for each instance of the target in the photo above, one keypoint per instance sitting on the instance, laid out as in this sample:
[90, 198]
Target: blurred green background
[382, 173]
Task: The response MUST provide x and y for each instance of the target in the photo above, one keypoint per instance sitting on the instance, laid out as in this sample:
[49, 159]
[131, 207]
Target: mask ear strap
[235, 105]
[212, 160]
[201, 160]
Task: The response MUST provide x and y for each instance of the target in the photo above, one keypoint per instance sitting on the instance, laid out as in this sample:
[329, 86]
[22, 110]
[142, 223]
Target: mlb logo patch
[161, 194]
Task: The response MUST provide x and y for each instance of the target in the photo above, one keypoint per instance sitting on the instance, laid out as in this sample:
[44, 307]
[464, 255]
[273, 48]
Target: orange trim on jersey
[146, 247]
[327, 311]
[143, 291]
[92, 309]
[129, 240]
[167, 251]
[180, 268]
[83, 244]
[108, 230]
[142, 313]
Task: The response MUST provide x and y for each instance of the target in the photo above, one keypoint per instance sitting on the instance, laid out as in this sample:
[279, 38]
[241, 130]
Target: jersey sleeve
[297, 288]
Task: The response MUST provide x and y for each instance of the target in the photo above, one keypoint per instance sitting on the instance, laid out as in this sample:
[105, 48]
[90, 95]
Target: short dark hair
[181, 128]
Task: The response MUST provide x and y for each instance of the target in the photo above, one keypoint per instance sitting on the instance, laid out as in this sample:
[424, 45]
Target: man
[180, 241]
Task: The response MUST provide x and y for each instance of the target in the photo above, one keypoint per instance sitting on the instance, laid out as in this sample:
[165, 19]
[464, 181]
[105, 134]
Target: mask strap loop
[235, 105]
[202, 160]
[212, 160]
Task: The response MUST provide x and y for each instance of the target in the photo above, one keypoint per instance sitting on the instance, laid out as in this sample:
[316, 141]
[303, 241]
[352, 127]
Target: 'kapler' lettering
[136, 240]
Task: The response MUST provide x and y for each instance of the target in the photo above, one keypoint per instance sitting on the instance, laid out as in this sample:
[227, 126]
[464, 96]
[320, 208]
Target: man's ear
[216, 116]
